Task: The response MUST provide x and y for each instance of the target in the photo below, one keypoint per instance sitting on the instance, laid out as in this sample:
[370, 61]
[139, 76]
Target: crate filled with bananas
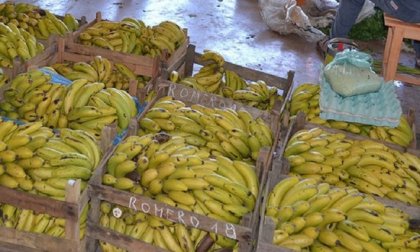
[81, 104]
[302, 214]
[162, 175]
[38, 22]
[44, 174]
[205, 164]
[342, 160]
[133, 40]
[75, 65]
[45, 231]
[305, 98]
[240, 84]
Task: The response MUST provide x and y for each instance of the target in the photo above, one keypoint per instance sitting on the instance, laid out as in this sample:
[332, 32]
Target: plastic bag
[367, 11]
[350, 74]
[285, 17]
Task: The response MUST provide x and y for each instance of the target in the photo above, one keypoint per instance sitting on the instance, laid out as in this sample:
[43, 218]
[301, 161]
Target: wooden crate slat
[162, 210]
[36, 241]
[38, 203]
[192, 95]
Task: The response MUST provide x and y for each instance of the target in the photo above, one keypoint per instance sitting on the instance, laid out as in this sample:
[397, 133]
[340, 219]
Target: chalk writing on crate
[194, 96]
[179, 216]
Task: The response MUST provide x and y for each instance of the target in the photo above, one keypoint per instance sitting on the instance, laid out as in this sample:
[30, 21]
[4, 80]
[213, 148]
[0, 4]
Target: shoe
[321, 46]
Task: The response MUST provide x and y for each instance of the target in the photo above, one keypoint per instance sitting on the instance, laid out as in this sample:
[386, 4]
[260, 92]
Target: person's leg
[396, 8]
[416, 45]
[346, 16]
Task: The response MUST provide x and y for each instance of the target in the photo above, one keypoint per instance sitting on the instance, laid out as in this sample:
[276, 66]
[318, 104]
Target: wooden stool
[397, 31]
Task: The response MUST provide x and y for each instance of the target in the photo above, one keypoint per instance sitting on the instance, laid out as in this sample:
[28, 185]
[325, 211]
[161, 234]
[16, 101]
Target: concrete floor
[232, 27]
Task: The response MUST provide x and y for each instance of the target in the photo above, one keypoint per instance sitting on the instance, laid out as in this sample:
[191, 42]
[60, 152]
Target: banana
[353, 229]
[298, 240]
[377, 231]
[348, 241]
[182, 197]
[71, 94]
[347, 202]
[296, 194]
[365, 215]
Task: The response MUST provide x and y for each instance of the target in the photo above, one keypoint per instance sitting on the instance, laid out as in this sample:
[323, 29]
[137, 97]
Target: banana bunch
[168, 169]
[311, 216]
[226, 132]
[132, 36]
[32, 97]
[101, 70]
[151, 229]
[3, 79]
[37, 22]
[210, 79]
[306, 98]
[82, 105]
[33, 159]
[30, 221]
[16, 42]
[369, 166]
[90, 107]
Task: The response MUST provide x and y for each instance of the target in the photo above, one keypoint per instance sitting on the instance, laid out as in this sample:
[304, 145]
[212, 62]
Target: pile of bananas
[153, 230]
[133, 36]
[369, 166]
[101, 70]
[82, 105]
[315, 217]
[37, 22]
[210, 79]
[30, 221]
[226, 132]
[306, 98]
[15, 42]
[168, 169]
[33, 159]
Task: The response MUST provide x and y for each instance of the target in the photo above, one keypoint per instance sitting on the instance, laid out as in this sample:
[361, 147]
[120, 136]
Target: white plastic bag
[367, 11]
[285, 17]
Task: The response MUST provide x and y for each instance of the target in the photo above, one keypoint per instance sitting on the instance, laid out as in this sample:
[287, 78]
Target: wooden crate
[267, 225]
[299, 123]
[142, 65]
[186, 65]
[61, 51]
[69, 209]
[19, 66]
[58, 52]
[245, 232]
[191, 96]
[411, 118]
